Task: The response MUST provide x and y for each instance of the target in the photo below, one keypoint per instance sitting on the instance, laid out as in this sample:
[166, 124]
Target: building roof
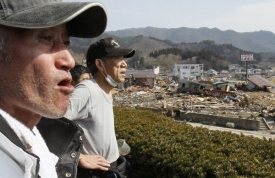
[260, 81]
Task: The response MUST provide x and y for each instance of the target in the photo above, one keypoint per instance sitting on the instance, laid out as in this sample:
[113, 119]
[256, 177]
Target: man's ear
[98, 63]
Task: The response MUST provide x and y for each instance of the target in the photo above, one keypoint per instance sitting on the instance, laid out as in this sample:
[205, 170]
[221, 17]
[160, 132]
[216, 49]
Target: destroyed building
[201, 100]
[193, 87]
[257, 82]
[143, 78]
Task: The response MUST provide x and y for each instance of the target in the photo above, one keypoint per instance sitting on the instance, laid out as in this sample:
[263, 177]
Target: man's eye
[46, 39]
[49, 38]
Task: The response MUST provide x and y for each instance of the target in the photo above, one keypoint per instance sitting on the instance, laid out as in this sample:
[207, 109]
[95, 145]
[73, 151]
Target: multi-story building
[186, 71]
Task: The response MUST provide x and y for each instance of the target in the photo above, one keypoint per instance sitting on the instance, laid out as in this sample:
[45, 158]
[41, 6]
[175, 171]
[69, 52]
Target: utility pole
[246, 71]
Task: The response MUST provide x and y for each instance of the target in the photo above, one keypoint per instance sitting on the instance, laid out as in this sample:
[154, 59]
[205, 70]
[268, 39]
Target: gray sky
[237, 15]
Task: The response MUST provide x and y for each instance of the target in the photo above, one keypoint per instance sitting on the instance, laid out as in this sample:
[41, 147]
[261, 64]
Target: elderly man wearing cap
[35, 80]
[91, 104]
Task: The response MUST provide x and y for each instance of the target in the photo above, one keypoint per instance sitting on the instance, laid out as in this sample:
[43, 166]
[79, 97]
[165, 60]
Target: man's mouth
[64, 82]
[65, 85]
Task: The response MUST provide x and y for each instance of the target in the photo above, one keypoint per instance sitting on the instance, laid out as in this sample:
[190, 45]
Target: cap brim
[126, 53]
[86, 20]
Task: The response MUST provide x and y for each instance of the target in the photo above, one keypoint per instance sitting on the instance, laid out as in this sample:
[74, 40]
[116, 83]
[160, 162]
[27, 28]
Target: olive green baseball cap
[83, 19]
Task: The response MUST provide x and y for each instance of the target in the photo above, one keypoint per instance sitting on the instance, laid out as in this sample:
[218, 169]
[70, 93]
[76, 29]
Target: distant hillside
[208, 52]
[143, 45]
[261, 41]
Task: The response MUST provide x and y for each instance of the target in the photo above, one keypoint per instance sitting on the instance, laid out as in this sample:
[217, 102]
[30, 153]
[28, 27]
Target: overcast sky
[237, 15]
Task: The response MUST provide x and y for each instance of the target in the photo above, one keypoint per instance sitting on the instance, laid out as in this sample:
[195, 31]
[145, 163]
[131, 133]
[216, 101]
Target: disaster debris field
[229, 100]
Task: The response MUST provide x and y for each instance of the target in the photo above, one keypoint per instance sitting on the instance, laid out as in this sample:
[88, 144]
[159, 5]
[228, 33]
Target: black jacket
[63, 138]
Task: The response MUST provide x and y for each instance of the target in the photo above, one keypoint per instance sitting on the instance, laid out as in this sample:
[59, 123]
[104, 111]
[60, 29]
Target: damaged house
[257, 82]
[142, 78]
[225, 86]
[192, 87]
[218, 89]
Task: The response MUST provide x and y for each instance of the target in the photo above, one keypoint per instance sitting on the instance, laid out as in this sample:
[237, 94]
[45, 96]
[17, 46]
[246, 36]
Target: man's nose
[65, 60]
[124, 63]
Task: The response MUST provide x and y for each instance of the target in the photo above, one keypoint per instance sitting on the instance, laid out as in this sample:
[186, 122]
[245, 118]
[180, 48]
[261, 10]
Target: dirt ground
[263, 98]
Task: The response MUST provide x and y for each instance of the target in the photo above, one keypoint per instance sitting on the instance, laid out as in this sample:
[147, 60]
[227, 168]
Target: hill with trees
[259, 41]
[152, 51]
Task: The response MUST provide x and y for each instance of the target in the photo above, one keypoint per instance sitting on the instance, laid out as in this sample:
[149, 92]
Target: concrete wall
[221, 121]
[210, 119]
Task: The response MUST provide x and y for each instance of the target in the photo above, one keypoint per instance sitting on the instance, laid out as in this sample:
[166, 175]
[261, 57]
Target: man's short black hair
[78, 70]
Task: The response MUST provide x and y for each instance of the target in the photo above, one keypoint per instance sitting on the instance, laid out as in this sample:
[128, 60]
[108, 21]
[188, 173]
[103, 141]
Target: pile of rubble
[246, 105]
[186, 102]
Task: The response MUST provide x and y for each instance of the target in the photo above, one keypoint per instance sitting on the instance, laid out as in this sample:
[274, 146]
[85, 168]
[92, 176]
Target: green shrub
[164, 148]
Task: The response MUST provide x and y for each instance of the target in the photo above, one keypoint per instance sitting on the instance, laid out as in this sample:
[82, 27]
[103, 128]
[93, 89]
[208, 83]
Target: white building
[183, 71]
